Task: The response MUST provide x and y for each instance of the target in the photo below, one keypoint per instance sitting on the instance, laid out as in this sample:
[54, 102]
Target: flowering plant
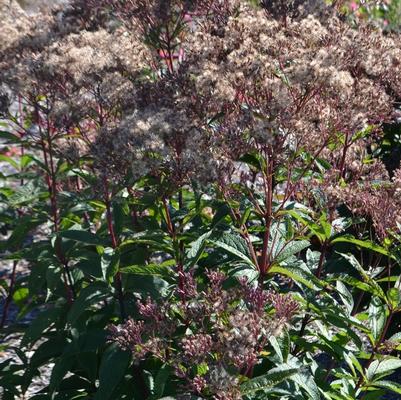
[204, 200]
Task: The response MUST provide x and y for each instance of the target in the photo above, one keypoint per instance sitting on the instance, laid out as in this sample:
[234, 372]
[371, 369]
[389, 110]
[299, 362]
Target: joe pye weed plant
[202, 196]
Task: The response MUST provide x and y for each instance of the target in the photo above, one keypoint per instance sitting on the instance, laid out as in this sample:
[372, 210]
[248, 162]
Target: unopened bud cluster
[222, 330]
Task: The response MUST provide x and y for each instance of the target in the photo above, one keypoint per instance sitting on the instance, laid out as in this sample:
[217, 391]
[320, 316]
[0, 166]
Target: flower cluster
[226, 330]
[128, 335]
[183, 89]
[379, 200]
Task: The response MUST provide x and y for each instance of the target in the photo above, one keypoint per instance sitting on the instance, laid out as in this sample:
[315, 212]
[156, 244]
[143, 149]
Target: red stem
[114, 243]
[180, 267]
[9, 296]
[344, 155]
[321, 259]
[374, 351]
[268, 186]
[52, 188]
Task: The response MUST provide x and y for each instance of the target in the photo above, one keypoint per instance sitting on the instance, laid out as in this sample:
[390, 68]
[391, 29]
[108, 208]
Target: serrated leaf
[235, 245]
[290, 249]
[148, 269]
[393, 386]
[313, 227]
[312, 259]
[267, 381]
[285, 344]
[353, 363]
[326, 226]
[305, 380]
[196, 249]
[298, 273]
[366, 244]
[396, 337]
[244, 270]
[156, 240]
[29, 193]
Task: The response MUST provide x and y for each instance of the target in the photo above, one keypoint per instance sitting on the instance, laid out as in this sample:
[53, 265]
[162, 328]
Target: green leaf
[24, 226]
[155, 239]
[240, 269]
[9, 160]
[25, 160]
[366, 244]
[113, 367]
[20, 296]
[42, 322]
[29, 193]
[346, 296]
[161, 380]
[290, 249]
[88, 296]
[393, 386]
[285, 344]
[353, 363]
[245, 215]
[255, 160]
[202, 369]
[297, 272]
[313, 227]
[148, 285]
[305, 380]
[327, 229]
[369, 280]
[82, 237]
[394, 298]
[91, 266]
[396, 337]
[377, 317]
[169, 398]
[47, 350]
[379, 367]
[63, 365]
[235, 245]
[273, 341]
[9, 137]
[267, 381]
[196, 249]
[110, 263]
[118, 217]
[149, 269]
